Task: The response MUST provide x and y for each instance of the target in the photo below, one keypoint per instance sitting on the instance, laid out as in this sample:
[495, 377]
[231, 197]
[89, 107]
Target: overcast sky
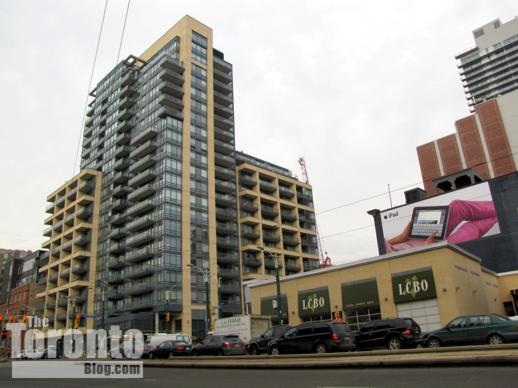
[353, 86]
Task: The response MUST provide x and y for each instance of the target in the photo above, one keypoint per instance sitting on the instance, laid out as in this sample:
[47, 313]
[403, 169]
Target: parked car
[318, 337]
[493, 329]
[260, 344]
[392, 334]
[168, 349]
[153, 341]
[219, 345]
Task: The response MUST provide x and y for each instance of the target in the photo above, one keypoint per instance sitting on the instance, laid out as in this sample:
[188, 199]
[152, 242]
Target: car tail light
[407, 332]
[226, 344]
[335, 338]
[516, 326]
[180, 347]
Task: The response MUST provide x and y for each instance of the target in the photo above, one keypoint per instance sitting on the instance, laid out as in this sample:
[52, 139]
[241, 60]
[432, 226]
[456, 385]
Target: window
[305, 330]
[457, 323]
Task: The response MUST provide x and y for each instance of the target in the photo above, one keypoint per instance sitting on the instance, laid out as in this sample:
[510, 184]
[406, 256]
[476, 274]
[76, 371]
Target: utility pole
[275, 259]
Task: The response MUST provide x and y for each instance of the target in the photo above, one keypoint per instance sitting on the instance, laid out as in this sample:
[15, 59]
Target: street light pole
[205, 273]
[275, 259]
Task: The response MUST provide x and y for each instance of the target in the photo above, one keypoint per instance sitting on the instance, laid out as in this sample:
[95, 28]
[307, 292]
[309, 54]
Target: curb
[379, 363]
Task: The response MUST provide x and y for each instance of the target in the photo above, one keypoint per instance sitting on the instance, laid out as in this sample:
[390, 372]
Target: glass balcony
[127, 102]
[223, 122]
[128, 78]
[171, 102]
[267, 187]
[171, 88]
[141, 207]
[223, 111]
[247, 180]
[224, 173]
[116, 277]
[117, 248]
[269, 211]
[125, 126]
[168, 62]
[79, 269]
[115, 262]
[144, 149]
[122, 151]
[144, 136]
[120, 204]
[169, 75]
[118, 233]
[222, 87]
[140, 270]
[121, 164]
[226, 187]
[142, 192]
[141, 222]
[120, 191]
[121, 177]
[223, 98]
[122, 139]
[224, 134]
[286, 192]
[224, 147]
[227, 259]
[144, 163]
[250, 233]
[140, 254]
[141, 238]
[251, 261]
[228, 273]
[226, 242]
[224, 160]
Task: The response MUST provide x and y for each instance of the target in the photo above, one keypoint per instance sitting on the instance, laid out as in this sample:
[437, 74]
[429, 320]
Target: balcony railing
[144, 136]
[142, 192]
[141, 238]
[141, 222]
[141, 207]
[140, 254]
[146, 162]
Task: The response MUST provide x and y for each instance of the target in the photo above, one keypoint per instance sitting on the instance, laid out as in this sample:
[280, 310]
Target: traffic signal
[77, 320]
[167, 316]
[25, 319]
[1, 319]
[11, 318]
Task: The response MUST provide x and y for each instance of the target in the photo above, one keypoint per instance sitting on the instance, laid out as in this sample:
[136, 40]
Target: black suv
[318, 337]
[392, 334]
[260, 344]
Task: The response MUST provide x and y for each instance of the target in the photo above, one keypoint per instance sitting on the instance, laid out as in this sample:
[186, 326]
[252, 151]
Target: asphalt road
[494, 376]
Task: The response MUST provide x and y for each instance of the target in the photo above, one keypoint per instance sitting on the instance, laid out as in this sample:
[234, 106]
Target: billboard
[456, 217]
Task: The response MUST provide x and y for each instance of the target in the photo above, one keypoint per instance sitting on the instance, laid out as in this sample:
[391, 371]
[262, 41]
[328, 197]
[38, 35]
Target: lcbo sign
[313, 302]
[414, 286]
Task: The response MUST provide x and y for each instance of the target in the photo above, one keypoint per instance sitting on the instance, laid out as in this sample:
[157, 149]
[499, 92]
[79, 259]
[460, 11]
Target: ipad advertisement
[456, 217]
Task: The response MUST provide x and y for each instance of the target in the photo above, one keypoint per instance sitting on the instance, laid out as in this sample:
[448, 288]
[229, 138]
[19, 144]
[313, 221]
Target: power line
[89, 87]
[405, 187]
[123, 30]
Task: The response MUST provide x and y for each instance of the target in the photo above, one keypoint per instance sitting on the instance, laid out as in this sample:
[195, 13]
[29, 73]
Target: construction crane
[325, 260]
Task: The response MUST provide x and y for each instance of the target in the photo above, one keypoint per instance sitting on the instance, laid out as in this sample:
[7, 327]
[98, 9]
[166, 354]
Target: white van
[154, 340]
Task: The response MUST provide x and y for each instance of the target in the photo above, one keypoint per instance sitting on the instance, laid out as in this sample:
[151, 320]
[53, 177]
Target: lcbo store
[431, 284]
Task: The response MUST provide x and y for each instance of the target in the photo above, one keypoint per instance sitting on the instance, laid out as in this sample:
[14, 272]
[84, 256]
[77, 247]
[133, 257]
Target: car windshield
[499, 319]
[181, 343]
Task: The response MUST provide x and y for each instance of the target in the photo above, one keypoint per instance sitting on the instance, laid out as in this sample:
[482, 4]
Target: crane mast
[325, 260]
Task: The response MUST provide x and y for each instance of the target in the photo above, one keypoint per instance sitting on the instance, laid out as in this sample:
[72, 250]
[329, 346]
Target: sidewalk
[453, 356]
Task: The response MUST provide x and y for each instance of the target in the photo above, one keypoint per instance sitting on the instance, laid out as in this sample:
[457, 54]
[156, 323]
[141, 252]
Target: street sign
[88, 316]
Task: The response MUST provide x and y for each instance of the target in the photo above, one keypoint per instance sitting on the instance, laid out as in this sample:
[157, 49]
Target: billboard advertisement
[456, 217]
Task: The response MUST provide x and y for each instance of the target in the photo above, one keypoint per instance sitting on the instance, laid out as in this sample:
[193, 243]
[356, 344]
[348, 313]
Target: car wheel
[195, 353]
[220, 352]
[495, 339]
[150, 356]
[320, 348]
[394, 343]
[433, 343]
[253, 350]
[274, 351]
